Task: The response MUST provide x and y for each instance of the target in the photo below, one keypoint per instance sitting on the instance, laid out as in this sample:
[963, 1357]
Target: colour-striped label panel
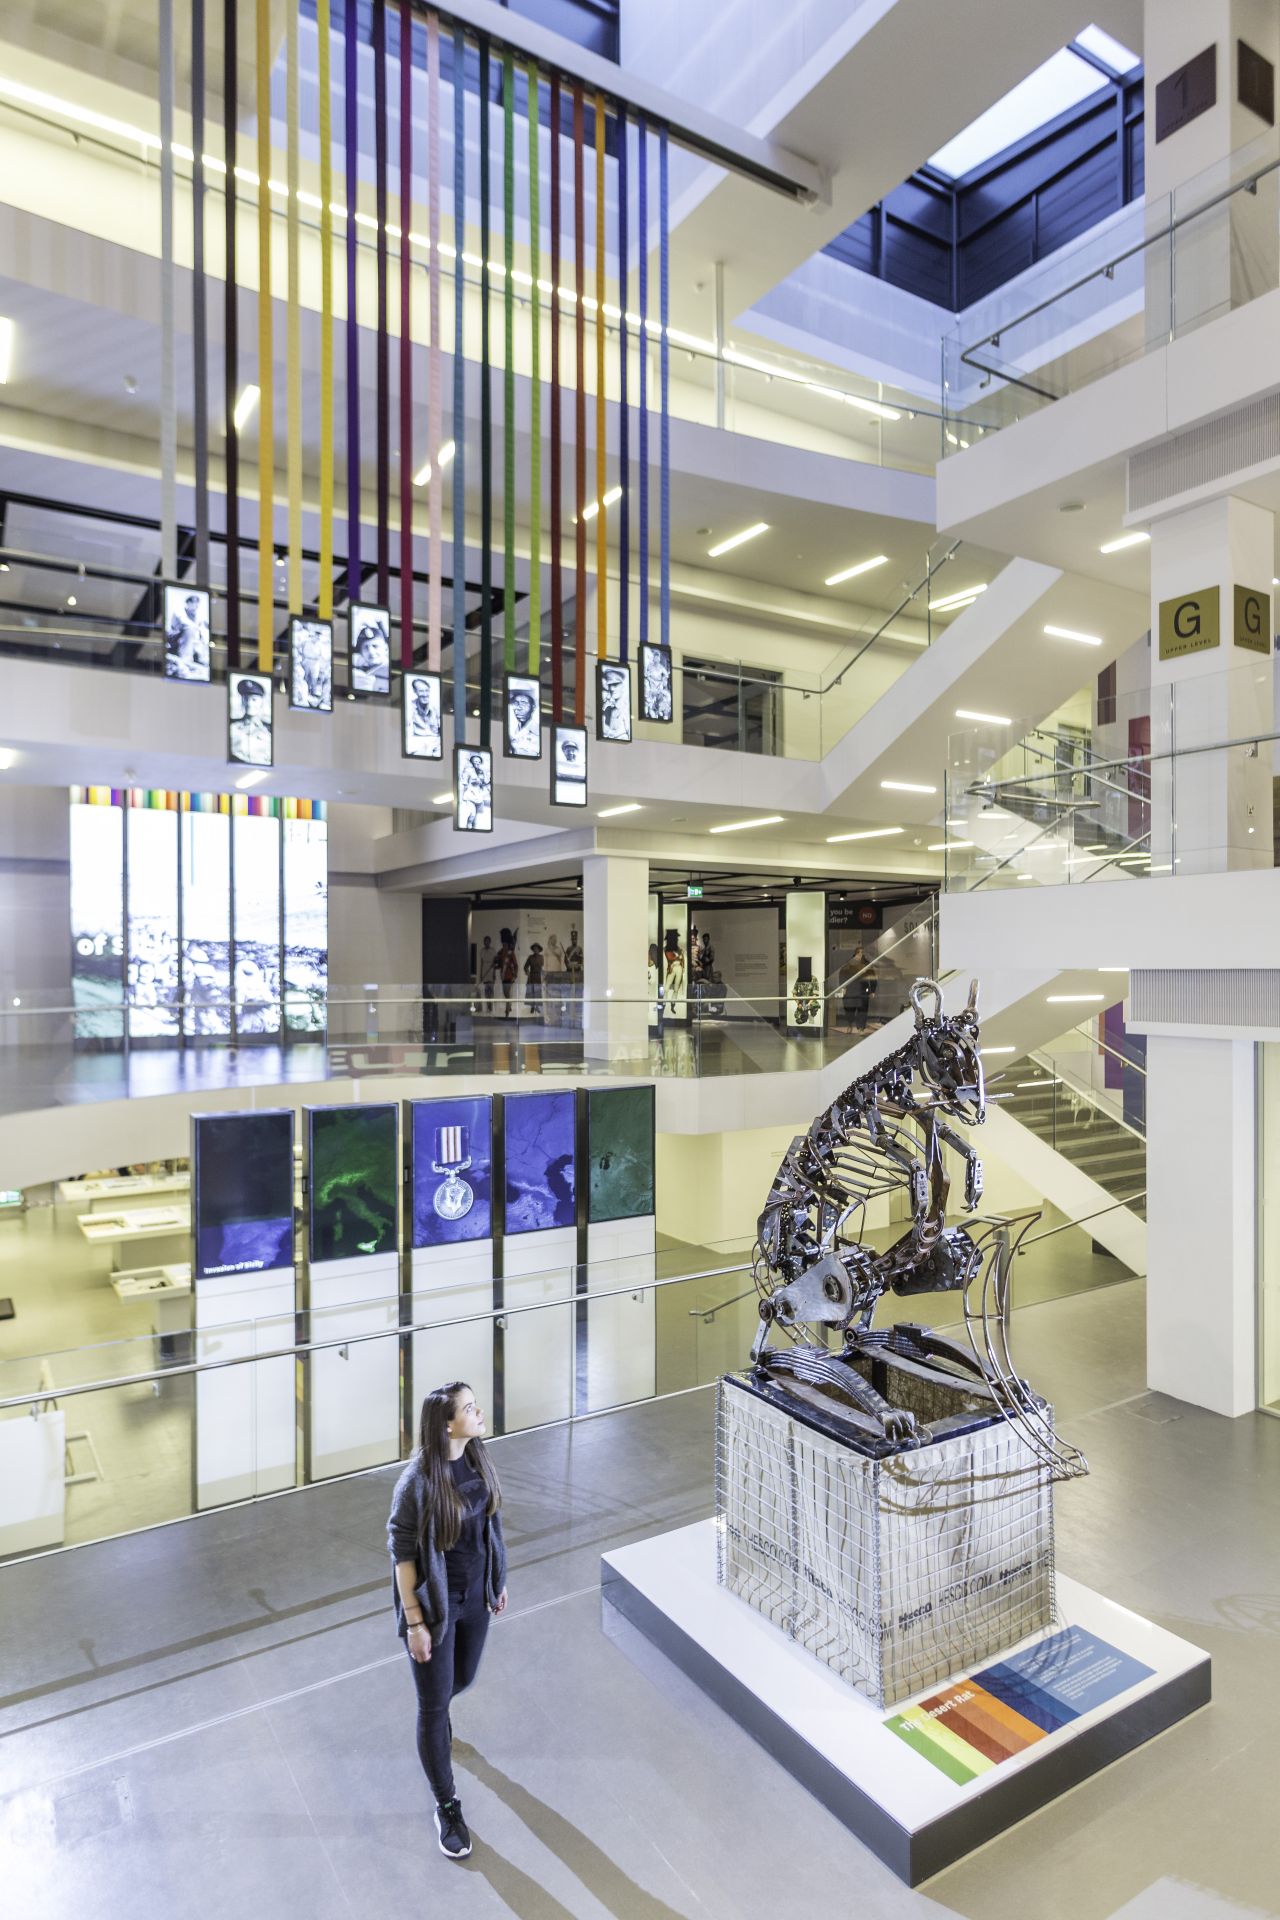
[974, 1724]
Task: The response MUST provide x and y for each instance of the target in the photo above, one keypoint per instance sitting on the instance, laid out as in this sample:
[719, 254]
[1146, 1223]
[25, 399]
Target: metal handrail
[1107, 271]
[708, 1314]
[398, 1332]
[889, 618]
[1068, 1224]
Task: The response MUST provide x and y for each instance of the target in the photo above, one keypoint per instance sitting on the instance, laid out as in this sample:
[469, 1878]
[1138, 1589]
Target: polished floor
[214, 1719]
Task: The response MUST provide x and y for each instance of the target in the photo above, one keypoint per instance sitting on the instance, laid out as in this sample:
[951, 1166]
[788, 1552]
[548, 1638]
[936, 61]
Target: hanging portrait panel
[657, 690]
[249, 720]
[473, 789]
[522, 717]
[568, 766]
[186, 634]
[369, 640]
[421, 717]
[613, 701]
[311, 666]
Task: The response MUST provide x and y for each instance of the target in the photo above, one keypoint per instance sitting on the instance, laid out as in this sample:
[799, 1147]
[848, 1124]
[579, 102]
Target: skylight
[1062, 82]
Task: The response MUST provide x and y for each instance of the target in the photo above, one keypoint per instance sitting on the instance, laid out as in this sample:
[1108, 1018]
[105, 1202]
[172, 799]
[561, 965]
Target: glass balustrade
[1150, 274]
[1170, 779]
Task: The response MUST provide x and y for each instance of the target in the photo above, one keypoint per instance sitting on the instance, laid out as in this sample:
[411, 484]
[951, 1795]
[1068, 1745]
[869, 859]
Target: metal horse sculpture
[885, 1134]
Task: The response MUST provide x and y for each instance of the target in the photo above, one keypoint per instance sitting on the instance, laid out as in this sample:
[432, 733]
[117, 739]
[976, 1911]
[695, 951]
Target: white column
[1211, 809]
[1201, 1233]
[615, 946]
[1229, 255]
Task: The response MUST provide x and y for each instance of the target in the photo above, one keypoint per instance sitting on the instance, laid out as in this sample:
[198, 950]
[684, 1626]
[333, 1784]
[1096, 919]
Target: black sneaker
[455, 1839]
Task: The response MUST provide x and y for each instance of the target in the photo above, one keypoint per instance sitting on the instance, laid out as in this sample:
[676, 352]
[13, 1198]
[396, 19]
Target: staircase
[1105, 1149]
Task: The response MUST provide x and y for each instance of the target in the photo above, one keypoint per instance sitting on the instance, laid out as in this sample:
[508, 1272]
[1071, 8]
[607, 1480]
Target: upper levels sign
[1189, 624]
[1182, 96]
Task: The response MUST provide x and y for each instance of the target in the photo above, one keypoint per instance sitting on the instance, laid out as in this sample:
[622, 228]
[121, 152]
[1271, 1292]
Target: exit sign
[693, 892]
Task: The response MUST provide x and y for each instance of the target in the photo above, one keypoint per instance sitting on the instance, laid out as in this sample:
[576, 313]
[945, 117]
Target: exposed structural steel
[885, 1135]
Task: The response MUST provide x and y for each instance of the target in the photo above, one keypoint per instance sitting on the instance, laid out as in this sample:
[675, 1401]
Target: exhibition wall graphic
[242, 1191]
[541, 1173]
[451, 1170]
[208, 902]
[354, 1171]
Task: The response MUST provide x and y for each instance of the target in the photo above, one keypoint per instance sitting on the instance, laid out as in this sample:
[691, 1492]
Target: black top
[464, 1561]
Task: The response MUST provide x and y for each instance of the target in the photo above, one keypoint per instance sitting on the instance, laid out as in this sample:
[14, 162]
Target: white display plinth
[353, 1392]
[446, 1283]
[621, 1330]
[911, 1815]
[33, 1493]
[245, 1419]
[538, 1347]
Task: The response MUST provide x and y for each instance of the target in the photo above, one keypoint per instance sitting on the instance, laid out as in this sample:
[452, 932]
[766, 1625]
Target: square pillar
[615, 945]
[1201, 1222]
[1211, 681]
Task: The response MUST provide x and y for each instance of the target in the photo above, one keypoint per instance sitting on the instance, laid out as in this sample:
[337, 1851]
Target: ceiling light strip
[738, 539]
[741, 826]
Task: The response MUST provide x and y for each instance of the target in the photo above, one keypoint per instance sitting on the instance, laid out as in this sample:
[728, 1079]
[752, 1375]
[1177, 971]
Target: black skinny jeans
[454, 1662]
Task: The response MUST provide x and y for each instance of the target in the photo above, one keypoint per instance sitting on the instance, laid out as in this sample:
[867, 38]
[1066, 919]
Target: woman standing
[445, 1538]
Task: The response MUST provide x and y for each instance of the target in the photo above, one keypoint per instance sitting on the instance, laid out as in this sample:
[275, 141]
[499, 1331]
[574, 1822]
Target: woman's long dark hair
[441, 1507]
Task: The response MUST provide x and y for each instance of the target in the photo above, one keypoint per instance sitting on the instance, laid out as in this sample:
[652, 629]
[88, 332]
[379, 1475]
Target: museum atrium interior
[484, 906]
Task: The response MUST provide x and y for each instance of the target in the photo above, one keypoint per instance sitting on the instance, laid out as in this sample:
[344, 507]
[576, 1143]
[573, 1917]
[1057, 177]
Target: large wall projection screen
[256, 874]
[306, 924]
[97, 918]
[206, 923]
[152, 834]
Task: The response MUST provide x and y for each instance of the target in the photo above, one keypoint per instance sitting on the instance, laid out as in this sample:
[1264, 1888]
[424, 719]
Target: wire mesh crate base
[898, 1572]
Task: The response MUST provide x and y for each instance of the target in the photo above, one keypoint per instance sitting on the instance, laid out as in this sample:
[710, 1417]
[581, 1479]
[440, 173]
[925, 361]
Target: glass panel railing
[1151, 274]
[1169, 779]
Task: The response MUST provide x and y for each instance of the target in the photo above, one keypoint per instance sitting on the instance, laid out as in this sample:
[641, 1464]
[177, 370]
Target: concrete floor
[215, 1719]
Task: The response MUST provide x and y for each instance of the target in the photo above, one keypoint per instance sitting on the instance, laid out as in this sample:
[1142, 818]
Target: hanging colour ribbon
[266, 356]
[486, 417]
[168, 341]
[664, 418]
[580, 428]
[602, 530]
[459, 390]
[624, 411]
[199, 297]
[383, 357]
[293, 344]
[642, 162]
[557, 590]
[535, 381]
[435, 487]
[324, 600]
[231, 330]
[406, 338]
[508, 367]
[352, 158]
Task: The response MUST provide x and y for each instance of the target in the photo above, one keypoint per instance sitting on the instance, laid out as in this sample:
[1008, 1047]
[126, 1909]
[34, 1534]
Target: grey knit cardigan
[432, 1587]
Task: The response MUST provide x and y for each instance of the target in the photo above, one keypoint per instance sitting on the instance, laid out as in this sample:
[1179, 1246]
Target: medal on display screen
[451, 1158]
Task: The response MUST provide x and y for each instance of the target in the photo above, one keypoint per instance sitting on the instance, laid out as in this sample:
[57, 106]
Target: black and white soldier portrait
[249, 719]
[370, 648]
[569, 771]
[186, 634]
[613, 701]
[523, 705]
[422, 733]
[656, 683]
[473, 790]
[311, 666]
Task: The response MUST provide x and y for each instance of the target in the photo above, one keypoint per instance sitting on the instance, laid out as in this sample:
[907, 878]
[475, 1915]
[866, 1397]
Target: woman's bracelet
[413, 1625]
